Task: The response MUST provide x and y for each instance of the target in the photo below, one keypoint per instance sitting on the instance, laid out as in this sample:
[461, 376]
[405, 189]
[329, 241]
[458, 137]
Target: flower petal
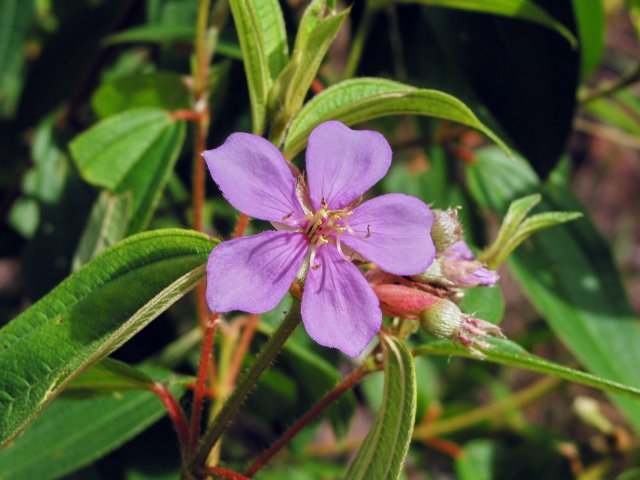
[254, 177]
[339, 308]
[342, 164]
[393, 231]
[459, 251]
[253, 273]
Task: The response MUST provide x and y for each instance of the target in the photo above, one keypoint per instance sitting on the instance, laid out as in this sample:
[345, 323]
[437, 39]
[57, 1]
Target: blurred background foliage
[566, 102]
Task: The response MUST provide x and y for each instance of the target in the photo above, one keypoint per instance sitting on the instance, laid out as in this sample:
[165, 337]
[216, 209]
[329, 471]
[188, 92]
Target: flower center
[325, 224]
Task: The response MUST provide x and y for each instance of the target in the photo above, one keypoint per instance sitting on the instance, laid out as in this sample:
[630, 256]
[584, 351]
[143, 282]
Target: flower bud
[442, 320]
[446, 229]
[402, 301]
[445, 320]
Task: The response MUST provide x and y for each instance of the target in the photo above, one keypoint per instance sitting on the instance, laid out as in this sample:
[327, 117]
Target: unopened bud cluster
[430, 298]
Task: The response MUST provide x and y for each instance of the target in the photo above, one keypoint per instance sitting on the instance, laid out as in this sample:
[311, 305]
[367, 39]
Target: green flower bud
[446, 229]
[442, 320]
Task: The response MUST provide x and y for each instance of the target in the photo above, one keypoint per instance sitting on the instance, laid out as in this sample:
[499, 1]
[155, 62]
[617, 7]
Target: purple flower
[320, 229]
[460, 266]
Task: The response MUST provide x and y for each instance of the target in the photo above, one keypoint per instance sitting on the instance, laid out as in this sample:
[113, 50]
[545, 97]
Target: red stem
[241, 225]
[199, 393]
[186, 115]
[241, 350]
[316, 86]
[219, 472]
[303, 421]
[176, 414]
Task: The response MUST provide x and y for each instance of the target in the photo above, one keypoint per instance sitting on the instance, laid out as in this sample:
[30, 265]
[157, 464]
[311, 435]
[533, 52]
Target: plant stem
[455, 423]
[198, 396]
[176, 414]
[624, 81]
[223, 473]
[242, 348]
[357, 45]
[241, 225]
[494, 410]
[247, 381]
[303, 421]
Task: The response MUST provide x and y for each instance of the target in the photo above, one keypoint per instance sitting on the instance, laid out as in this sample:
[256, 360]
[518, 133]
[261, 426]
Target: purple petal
[483, 277]
[254, 177]
[339, 308]
[459, 251]
[393, 231]
[253, 273]
[342, 164]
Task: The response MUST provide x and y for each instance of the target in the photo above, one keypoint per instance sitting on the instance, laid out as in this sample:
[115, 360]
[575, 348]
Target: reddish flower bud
[402, 301]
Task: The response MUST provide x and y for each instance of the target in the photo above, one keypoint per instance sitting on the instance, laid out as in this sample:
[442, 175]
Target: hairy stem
[199, 393]
[303, 421]
[242, 348]
[246, 382]
[176, 414]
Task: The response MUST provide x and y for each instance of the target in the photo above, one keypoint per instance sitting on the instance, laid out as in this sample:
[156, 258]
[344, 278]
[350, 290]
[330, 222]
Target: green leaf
[24, 217]
[107, 225]
[477, 460]
[133, 151]
[15, 20]
[163, 90]
[568, 273]
[520, 9]
[319, 26]
[591, 23]
[91, 314]
[155, 33]
[486, 303]
[516, 228]
[383, 452]
[108, 376]
[72, 433]
[361, 99]
[170, 33]
[506, 352]
[621, 110]
[263, 40]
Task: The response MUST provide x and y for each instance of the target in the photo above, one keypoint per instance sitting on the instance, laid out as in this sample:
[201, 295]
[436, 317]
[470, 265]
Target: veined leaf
[168, 33]
[107, 225]
[520, 9]
[319, 26]
[133, 151]
[383, 452]
[263, 41]
[108, 376]
[163, 90]
[72, 433]
[506, 352]
[568, 273]
[361, 99]
[91, 314]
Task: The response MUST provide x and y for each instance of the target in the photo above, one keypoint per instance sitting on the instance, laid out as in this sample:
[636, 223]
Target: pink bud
[403, 301]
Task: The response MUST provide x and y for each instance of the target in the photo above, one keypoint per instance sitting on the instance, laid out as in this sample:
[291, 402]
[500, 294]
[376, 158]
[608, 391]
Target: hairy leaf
[91, 314]
[361, 99]
[383, 452]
